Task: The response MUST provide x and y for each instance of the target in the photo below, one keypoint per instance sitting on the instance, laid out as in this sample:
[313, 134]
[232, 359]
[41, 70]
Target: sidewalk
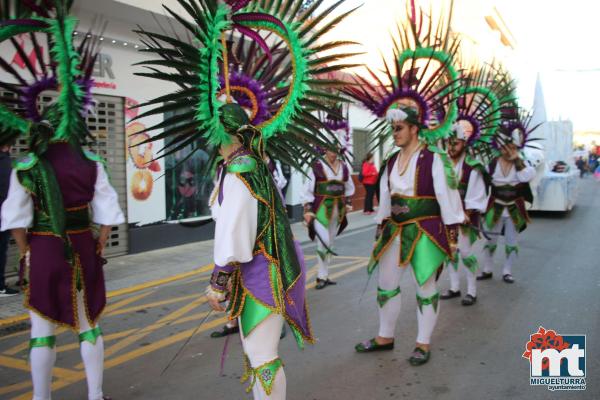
[137, 271]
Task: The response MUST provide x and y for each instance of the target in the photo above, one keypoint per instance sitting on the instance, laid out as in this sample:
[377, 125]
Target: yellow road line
[121, 292]
[122, 303]
[60, 330]
[151, 328]
[69, 376]
[17, 363]
[15, 387]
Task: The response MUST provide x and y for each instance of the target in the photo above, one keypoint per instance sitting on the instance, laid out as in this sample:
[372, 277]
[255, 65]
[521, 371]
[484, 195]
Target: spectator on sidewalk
[581, 164]
[5, 170]
[369, 174]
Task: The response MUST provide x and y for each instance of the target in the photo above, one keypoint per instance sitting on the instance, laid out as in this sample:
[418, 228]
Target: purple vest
[434, 227]
[52, 280]
[320, 176]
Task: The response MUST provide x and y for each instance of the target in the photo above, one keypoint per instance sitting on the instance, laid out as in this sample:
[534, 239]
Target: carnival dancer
[420, 208]
[249, 250]
[326, 196]
[479, 116]
[56, 192]
[507, 214]
[473, 193]
[416, 201]
[258, 266]
[232, 326]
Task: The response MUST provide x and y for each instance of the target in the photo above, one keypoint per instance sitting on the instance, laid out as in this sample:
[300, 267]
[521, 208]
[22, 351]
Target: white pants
[43, 358]
[510, 240]
[465, 249]
[327, 234]
[261, 346]
[390, 275]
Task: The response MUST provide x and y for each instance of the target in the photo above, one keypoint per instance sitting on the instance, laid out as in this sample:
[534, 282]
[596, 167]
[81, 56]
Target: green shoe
[371, 345]
[419, 357]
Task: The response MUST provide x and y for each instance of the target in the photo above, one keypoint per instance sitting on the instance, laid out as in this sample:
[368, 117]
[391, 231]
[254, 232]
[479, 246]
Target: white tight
[510, 239]
[390, 275]
[328, 235]
[43, 358]
[261, 346]
[465, 249]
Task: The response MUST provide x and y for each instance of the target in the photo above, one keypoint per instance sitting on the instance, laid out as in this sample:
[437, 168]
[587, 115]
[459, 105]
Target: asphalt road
[476, 351]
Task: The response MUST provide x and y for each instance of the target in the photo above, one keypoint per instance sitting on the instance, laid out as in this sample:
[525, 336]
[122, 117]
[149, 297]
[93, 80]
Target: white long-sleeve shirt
[278, 176]
[307, 194]
[476, 197]
[236, 220]
[17, 209]
[448, 199]
[513, 178]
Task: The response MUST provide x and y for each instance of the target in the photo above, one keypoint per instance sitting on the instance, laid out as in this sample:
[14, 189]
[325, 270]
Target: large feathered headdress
[421, 75]
[479, 109]
[66, 69]
[517, 130]
[263, 55]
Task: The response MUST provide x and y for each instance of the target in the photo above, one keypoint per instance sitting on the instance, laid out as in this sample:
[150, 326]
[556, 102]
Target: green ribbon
[428, 301]
[471, 263]
[265, 374]
[511, 249]
[491, 248]
[48, 341]
[383, 296]
[90, 336]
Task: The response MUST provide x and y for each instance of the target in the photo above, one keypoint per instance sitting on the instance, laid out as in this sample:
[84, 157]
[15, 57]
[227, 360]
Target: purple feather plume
[381, 107]
[256, 37]
[24, 22]
[237, 4]
[238, 79]
[260, 17]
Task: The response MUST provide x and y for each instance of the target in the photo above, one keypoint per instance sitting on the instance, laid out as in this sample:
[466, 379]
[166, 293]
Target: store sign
[103, 69]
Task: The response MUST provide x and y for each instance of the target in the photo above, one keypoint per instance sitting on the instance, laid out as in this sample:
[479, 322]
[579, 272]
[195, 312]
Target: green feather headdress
[420, 74]
[263, 55]
[67, 70]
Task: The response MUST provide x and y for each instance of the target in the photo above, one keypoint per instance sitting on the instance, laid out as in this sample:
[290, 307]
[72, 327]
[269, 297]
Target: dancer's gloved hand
[308, 214]
[216, 299]
[308, 217]
[349, 207]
